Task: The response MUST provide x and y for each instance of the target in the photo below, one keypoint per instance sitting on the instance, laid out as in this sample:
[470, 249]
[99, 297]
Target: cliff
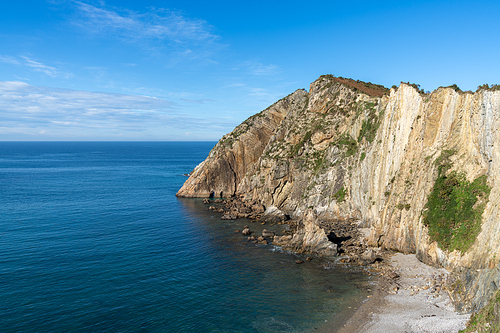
[420, 170]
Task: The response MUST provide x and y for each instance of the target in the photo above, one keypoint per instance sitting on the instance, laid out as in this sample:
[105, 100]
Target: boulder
[273, 215]
[282, 240]
[310, 239]
[370, 256]
[246, 232]
[228, 217]
[268, 233]
[258, 208]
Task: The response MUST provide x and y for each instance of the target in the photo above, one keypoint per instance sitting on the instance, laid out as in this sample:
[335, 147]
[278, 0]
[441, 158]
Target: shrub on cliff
[487, 319]
[453, 214]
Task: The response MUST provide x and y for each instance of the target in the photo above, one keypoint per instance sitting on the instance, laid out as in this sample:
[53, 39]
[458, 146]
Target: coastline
[408, 298]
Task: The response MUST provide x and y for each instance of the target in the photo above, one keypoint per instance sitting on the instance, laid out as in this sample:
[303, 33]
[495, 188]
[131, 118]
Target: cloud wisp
[35, 66]
[154, 29]
[9, 60]
[39, 67]
[30, 109]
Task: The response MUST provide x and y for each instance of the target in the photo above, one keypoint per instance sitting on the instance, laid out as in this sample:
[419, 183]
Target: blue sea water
[93, 239]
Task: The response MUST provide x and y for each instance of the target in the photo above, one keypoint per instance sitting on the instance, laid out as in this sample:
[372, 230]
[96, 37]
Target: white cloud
[35, 66]
[39, 67]
[19, 100]
[9, 60]
[41, 110]
[152, 29]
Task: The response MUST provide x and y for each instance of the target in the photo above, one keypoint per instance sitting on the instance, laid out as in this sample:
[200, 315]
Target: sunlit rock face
[348, 149]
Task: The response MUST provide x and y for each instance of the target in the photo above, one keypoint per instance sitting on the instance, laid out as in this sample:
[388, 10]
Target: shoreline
[409, 297]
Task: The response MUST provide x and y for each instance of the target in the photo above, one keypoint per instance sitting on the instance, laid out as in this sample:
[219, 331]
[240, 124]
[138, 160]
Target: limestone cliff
[354, 150]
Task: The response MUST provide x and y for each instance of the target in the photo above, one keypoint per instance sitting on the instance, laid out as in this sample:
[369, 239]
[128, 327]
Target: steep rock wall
[373, 157]
[237, 152]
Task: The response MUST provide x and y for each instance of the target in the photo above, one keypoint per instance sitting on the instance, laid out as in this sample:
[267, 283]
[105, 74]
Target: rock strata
[350, 167]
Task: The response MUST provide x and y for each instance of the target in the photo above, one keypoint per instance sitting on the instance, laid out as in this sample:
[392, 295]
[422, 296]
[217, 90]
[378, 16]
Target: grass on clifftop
[368, 88]
[487, 319]
[453, 213]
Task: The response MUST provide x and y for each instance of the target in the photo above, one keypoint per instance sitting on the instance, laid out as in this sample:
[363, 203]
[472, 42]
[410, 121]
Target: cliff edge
[419, 170]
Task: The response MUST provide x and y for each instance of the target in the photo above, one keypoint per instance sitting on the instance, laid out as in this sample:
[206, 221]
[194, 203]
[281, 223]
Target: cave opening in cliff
[339, 240]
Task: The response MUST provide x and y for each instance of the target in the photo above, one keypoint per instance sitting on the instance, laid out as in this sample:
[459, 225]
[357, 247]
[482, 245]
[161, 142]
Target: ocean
[93, 239]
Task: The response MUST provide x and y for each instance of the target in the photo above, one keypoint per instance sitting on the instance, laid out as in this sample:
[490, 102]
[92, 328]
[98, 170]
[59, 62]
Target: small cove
[95, 240]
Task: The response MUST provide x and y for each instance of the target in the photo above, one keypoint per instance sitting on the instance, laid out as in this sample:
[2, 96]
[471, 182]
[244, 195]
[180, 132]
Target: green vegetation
[296, 148]
[416, 86]
[229, 139]
[487, 319]
[348, 142]
[488, 88]
[453, 218]
[340, 195]
[455, 87]
[328, 85]
[362, 157]
[400, 206]
[319, 160]
[369, 129]
[370, 125]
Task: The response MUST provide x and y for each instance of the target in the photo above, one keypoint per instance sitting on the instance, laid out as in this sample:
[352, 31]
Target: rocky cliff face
[399, 161]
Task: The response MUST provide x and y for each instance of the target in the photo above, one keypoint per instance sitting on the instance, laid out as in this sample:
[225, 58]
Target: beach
[409, 297]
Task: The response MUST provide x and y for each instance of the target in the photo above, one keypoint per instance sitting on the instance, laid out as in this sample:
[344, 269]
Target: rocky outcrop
[308, 239]
[237, 152]
[353, 151]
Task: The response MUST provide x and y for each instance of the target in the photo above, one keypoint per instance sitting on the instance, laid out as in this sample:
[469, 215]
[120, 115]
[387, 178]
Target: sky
[94, 70]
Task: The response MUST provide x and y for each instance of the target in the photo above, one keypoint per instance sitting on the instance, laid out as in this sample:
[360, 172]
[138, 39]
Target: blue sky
[193, 70]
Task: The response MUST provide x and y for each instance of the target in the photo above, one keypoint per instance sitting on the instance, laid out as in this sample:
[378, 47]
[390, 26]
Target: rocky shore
[415, 172]
[409, 296]
[342, 237]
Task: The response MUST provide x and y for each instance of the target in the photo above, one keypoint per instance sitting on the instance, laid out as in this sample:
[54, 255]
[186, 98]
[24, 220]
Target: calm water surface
[93, 239]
